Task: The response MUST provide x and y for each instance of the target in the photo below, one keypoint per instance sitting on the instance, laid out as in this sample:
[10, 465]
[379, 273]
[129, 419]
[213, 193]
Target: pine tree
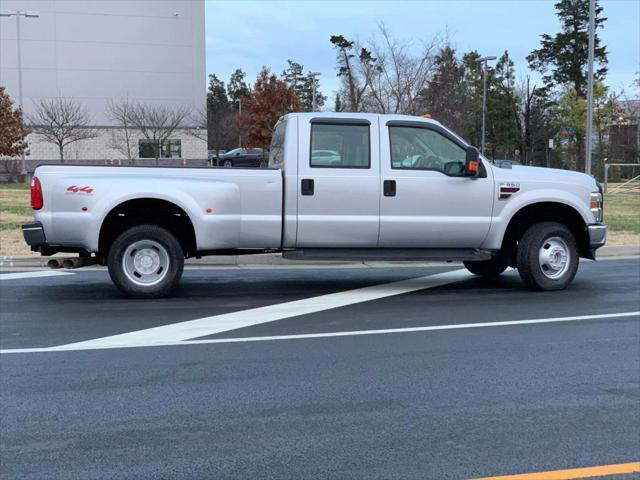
[294, 77]
[237, 89]
[443, 98]
[220, 126]
[502, 110]
[338, 103]
[563, 58]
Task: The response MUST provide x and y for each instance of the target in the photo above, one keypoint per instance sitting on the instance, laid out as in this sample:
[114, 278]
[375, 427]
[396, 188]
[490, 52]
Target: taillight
[36, 194]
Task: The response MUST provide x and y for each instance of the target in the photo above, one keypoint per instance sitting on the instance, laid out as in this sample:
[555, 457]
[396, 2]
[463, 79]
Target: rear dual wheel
[146, 262]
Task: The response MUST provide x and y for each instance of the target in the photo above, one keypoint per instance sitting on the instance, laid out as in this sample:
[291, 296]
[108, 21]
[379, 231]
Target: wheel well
[544, 212]
[148, 211]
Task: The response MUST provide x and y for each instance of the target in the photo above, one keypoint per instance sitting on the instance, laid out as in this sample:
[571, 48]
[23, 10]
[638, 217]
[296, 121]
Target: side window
[416, 148]
[276, 151]
[340, 145]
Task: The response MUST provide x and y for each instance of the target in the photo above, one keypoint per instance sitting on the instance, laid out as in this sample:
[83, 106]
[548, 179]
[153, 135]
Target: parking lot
[335, 372]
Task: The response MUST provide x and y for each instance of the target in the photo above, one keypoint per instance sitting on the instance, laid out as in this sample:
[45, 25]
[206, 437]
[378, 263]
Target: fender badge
[76, 189]
[507, 189]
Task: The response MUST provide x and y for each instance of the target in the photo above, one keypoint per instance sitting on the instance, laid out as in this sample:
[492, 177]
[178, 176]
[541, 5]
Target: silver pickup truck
[339, 186]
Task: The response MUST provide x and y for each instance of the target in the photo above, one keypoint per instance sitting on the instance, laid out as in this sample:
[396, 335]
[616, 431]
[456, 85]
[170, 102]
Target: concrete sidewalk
[276, 259]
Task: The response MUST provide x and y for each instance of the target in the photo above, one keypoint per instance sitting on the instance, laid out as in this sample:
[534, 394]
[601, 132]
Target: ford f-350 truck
[393, 187]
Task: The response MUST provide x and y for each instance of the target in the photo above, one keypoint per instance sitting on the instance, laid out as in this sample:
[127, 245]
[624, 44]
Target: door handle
[389, 188]
[307, 186]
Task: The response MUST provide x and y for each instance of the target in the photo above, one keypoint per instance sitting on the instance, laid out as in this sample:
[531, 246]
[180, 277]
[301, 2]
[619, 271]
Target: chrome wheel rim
[554, 257]
[145, 262]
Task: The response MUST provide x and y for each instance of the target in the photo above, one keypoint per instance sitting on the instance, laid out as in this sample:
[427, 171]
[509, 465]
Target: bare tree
[157, 123]
[385, 74]
[122, 138]
[62, 121]
[395, 75]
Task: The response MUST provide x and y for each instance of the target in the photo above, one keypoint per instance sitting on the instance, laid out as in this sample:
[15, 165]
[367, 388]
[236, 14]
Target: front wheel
[146, 262]
[547, 257]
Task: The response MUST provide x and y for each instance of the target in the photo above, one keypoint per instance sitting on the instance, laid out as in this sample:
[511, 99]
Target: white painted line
[38, 274]
[203, 327]
[460, 326]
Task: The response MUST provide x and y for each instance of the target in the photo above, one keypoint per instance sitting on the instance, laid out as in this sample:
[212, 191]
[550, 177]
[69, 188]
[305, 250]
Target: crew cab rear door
[427, 202]
[338, 182]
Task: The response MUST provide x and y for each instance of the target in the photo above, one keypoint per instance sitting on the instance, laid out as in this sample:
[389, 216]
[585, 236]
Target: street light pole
[314, 75]
[484, 60]
[240, 113]
[592, 41]
[18, 14]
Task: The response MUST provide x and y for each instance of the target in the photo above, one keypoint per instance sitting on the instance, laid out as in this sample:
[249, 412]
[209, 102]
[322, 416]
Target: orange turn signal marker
[209, 210]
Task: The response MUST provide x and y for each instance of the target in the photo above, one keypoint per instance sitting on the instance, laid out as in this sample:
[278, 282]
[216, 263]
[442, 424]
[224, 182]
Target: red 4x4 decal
[76, 189]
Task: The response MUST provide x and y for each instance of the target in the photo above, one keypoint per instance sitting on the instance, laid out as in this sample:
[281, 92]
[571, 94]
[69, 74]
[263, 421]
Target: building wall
[101, 147]
[151, 51]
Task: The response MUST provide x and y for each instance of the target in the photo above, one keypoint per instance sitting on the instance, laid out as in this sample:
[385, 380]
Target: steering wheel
[431, 162]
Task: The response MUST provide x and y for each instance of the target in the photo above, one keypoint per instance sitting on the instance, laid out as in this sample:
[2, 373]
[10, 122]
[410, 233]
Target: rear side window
[276, 151]
[340, 145]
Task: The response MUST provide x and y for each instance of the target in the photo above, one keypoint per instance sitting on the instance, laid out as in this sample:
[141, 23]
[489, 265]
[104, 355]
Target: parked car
[506, 163]
[244, 157]
[212, 155]
[403, 188]
[325, 157]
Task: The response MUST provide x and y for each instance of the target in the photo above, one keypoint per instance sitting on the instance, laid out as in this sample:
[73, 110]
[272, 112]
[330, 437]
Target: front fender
[519, 201]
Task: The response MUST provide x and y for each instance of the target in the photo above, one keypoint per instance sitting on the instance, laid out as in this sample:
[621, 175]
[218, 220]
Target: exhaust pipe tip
[53, 263]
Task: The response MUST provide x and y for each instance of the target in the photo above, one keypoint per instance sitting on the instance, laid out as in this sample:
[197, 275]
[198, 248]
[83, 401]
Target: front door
[427, 202]
[338, 183]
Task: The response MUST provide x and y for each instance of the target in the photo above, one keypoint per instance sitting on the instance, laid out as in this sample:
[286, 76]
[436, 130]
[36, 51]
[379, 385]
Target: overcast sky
[250, 34]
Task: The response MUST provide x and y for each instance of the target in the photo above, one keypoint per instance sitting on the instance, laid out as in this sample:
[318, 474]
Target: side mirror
[472, 162]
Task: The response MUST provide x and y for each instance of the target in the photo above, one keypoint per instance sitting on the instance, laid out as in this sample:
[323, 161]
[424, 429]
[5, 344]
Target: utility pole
[592, 41]
[18, 14]
[484, 96]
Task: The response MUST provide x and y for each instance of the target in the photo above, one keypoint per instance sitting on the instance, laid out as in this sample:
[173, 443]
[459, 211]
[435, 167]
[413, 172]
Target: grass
[622, 213]
[14, 186]
[15, 210]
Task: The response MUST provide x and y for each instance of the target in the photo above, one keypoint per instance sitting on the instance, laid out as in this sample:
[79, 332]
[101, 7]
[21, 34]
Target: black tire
[227, 163]
[486, 268]
[170, 258]
[541, 236]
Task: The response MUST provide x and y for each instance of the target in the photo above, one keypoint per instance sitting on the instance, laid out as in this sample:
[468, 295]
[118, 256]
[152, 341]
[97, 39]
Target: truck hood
[521, 172]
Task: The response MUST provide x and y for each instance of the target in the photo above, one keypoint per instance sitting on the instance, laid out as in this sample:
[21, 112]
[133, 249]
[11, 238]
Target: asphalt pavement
[412, 372]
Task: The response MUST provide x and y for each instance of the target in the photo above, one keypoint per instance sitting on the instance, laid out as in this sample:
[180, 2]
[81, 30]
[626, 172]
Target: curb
[275, 259]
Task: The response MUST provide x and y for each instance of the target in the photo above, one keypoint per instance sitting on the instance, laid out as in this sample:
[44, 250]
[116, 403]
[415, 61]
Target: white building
[150, 51]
